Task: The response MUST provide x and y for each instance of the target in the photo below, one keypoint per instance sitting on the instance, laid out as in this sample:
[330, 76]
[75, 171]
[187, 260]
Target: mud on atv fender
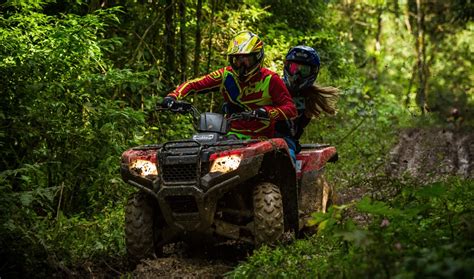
[279, 169]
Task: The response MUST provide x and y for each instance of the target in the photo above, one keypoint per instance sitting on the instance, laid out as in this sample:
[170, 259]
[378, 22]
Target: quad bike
[220, 186]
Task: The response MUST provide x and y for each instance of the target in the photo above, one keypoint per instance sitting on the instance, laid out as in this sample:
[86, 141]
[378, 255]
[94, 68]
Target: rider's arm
[283, 107]
[204, 84]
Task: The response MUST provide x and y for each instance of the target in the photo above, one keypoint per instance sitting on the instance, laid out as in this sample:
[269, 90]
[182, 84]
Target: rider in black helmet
[300, 72]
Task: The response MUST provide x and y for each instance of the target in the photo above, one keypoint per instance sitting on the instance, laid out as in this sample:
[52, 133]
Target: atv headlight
[143, 167]
[226, 163]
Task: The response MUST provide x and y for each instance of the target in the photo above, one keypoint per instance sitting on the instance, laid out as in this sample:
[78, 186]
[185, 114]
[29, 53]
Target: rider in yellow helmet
[245, 86]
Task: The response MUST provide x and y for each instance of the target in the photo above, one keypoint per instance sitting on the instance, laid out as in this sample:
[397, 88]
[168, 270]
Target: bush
[422, 232]
[64, 133]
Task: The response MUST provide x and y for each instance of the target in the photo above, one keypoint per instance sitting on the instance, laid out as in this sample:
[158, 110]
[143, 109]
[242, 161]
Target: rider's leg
[291, 147]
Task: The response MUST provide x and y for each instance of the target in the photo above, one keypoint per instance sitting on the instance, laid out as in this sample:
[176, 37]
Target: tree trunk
[410, 84]
[377, 45]
[182, 33]
[420, 57]
[396, 8]
[170, 41]
[197, 48]
[379, 29]
[211, 29]
[209, 48]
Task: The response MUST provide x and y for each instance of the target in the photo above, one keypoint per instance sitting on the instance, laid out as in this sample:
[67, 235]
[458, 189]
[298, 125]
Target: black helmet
[301, 67]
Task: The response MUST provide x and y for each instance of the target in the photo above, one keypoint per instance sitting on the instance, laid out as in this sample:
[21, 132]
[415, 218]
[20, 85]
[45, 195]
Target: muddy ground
[426, 155]
[432, 154]
[182, 261]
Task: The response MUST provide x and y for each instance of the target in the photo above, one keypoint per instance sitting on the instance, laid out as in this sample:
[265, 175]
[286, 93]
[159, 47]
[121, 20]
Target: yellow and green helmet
[245, 53]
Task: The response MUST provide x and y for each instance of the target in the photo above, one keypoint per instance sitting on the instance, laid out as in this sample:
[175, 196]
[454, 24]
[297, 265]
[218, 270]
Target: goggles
[238, 61]
[294, 68]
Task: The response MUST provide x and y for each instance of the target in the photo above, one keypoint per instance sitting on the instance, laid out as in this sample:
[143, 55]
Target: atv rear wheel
[142, 229]
[268, 213]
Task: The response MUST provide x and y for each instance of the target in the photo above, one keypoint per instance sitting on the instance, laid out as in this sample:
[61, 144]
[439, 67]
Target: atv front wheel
[142, 230]
[268, 213]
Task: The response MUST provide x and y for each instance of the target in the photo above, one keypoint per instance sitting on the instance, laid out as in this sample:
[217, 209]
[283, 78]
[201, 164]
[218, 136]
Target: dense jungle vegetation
[80, 79]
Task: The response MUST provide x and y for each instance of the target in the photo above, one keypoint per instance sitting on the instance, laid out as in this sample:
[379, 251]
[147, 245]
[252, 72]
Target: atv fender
[280, 169]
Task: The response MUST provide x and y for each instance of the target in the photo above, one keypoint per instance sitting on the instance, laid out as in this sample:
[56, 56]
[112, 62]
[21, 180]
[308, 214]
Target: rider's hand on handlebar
[172, 104]
[181, 107]
[168, 102]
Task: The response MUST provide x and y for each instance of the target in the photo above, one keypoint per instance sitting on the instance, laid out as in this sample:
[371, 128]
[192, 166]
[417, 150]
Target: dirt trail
[431, 154]
[426, 154]
[181, 261]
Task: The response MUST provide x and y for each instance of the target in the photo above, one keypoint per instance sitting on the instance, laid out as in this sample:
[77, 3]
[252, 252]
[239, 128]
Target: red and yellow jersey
[265, 89]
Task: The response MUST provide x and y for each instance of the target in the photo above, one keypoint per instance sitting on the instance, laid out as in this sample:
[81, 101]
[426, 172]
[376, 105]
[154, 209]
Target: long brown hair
[320, 99]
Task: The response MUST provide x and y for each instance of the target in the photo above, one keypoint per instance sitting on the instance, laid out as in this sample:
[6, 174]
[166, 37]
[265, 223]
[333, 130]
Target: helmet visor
[242, 61]
[294, 68]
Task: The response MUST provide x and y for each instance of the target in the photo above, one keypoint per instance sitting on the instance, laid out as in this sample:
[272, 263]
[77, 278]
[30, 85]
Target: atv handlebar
[180, 107]
[183, 107]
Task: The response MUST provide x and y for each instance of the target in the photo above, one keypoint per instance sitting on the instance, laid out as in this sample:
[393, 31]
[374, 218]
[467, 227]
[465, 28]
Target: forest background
[80, 79]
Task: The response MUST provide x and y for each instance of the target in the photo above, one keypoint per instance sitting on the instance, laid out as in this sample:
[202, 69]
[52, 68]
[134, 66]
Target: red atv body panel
[313, 159]
[253, 149]
[139, 154]
[306, 161]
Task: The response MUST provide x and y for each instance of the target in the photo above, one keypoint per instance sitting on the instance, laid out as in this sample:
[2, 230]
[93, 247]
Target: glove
[168, 102]
[260, 113]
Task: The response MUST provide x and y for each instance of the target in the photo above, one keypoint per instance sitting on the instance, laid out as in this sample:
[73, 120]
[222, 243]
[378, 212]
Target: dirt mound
[431, 154]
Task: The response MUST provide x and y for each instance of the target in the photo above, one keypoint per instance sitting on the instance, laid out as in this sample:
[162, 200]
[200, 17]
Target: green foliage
[65, 128]
[41, 246]
[59, 111]
[80, 81]
[424, 231]
[84, 239]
